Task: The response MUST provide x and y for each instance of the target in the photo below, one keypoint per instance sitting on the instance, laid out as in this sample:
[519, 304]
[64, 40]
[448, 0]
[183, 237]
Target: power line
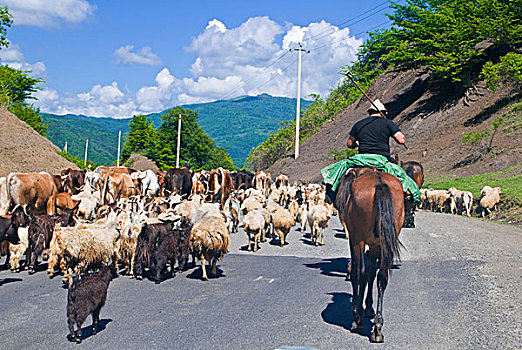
[344, 39]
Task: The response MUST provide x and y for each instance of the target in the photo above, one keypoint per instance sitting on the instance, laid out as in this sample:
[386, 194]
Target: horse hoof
[377, 338]
[355, 326]
[78, 340]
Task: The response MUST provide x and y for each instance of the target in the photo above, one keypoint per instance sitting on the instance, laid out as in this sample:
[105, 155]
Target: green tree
[141, 136]
[5, 21]
[197, 148]
[16, 86]
[31, 115]
[508, 70]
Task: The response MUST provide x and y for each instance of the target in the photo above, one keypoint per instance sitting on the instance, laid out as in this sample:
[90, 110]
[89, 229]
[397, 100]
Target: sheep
[268, 222]
[87, 297]
[254, 225]
[89, 202]
[56, 250]
[302, 216]
[318, 219]
[440, 200]
[283, 222]
[251, 203]
[88, 246]
[187, 209]
[209, 240]
[232, 209]
[463, 200]
[489, 200]
[16, 251]
[293, 207]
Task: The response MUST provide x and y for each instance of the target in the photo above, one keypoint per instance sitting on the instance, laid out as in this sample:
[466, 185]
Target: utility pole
[179, 140]
[298, 108]
[65, 148]
[119, 141]
[86, 148]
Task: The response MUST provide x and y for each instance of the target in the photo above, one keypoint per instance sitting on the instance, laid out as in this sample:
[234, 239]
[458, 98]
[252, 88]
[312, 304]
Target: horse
[416, 172]
[371, 205]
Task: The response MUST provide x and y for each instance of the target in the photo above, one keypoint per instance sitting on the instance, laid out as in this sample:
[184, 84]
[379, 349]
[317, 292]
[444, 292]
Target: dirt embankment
[24, 150]
[433, 122]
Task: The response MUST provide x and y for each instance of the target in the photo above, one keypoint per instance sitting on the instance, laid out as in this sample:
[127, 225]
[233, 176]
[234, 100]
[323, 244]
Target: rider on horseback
[372, 134]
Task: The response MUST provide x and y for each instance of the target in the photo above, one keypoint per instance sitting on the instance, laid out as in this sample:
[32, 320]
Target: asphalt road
[458, 287]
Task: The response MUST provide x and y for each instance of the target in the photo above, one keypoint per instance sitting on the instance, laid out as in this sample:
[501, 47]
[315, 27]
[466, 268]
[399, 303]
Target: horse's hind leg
[358, 283]
[372, 271]
[382, 282]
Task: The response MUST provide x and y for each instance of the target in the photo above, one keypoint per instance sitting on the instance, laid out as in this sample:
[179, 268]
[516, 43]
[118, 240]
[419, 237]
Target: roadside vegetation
[457, 42]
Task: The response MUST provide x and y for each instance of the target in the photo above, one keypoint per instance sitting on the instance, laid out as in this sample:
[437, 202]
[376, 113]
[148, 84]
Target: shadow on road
[196, 274]
[9, 280]
[334, 267]
[339, 313]
[87, 331]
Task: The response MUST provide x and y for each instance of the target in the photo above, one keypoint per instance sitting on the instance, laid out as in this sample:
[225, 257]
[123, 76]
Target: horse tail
[385, 226]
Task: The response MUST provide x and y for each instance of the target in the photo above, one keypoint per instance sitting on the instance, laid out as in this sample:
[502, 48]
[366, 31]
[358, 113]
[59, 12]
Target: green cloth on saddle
[333, 173]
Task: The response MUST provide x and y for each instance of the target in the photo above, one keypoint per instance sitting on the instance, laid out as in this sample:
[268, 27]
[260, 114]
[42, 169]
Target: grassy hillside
[238, 125]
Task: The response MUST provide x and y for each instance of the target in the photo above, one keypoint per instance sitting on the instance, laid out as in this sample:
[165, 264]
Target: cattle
[281, 180]
[220, 185]
[4, 202]
[31, 189]
[262, 181]
[73, 180]
[58, 201]
[178, 181]
[113, 170]
[149, 184]
[87, 297]
[116, 186]
[242, 179]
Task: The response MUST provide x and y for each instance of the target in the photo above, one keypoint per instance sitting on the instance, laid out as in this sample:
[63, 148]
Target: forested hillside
[237, 125]
[449, 52]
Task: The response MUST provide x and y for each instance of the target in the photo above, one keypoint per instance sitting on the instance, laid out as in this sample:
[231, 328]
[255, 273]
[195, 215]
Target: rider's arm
[352, 142]
[399, 137]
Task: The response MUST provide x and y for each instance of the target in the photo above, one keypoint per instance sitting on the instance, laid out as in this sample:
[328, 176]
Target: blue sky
[119, 58]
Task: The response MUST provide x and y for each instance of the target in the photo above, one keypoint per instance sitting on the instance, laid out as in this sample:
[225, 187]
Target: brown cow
[117, 185]
[73, 180]
[220, 185]
[30, 189]
[62, 200]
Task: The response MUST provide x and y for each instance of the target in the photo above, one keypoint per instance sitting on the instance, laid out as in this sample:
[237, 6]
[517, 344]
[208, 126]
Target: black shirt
[373, 134]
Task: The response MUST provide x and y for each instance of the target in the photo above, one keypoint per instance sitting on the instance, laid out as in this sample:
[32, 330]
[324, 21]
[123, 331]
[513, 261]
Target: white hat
[379, 105]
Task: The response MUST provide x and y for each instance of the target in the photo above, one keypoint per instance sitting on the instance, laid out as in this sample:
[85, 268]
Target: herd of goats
[93, 224]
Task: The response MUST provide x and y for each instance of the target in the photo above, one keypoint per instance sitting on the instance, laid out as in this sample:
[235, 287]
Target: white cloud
[145, 56]
[14, 58]
[252, 58]
[49, 13]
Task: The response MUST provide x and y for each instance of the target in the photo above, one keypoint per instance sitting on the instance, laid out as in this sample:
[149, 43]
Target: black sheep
[87, 296]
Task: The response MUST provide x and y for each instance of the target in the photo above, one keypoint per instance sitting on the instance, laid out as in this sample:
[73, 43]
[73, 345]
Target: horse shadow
[339, 313]
[9, 280]
[335, 267]
[87, 330]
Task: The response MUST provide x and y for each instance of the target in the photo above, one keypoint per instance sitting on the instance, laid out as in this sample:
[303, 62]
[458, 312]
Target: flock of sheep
[460, 202]
[153, 233]
[143, 234]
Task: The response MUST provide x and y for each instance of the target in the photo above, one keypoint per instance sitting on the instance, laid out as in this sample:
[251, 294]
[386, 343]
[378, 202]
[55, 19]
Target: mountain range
[237, 124]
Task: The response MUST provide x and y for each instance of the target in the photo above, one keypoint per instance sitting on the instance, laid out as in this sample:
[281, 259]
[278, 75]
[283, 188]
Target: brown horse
[371, 205]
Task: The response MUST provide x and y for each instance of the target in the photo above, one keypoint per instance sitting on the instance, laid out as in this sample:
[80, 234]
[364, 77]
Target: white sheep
[250, 204]
[318, 219]
[489, 200]
[209, 240]
[283, 222]
[254, 226]
[463, 200]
